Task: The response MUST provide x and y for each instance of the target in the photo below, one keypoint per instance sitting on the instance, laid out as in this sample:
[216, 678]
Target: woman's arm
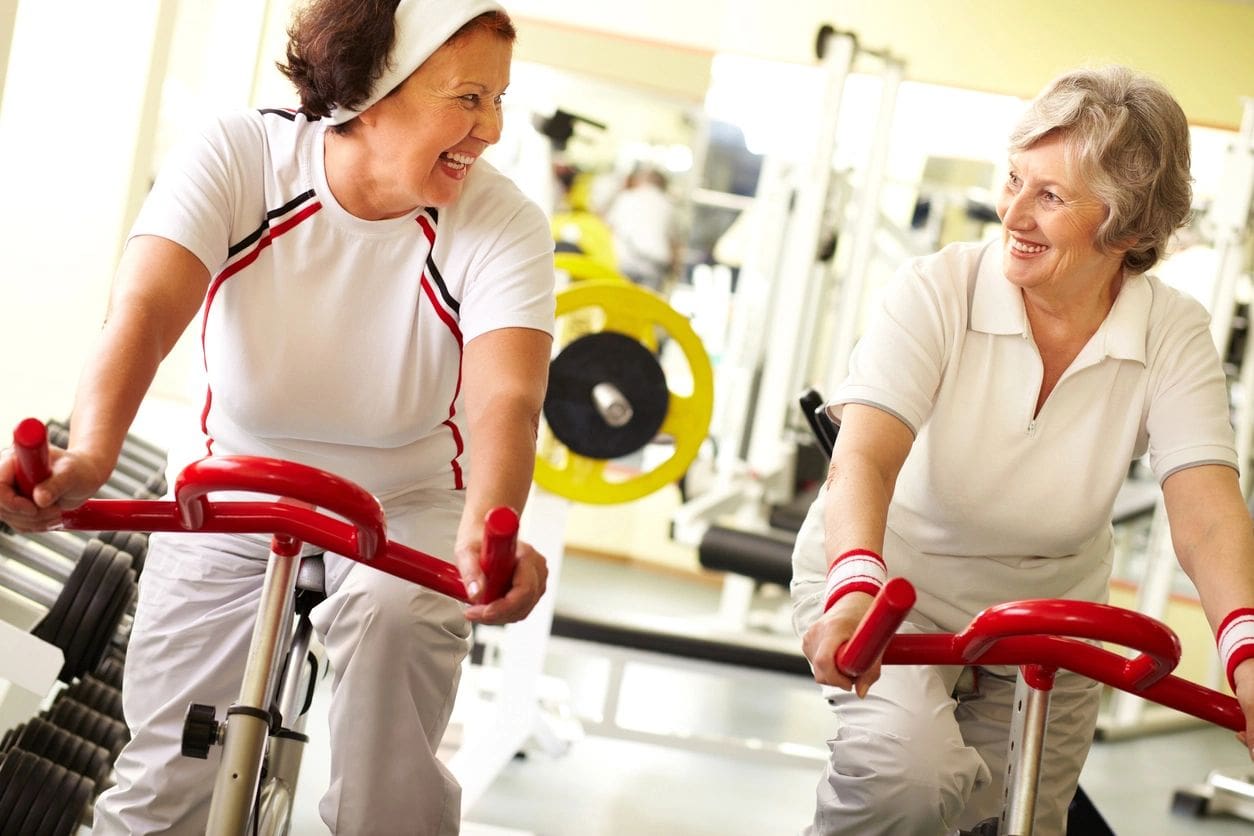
[1213, 537]
[869, 452]
[504, 377]
[156, 291]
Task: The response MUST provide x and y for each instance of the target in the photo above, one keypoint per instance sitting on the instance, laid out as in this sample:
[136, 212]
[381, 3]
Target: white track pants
[911, 761]
[395, 651]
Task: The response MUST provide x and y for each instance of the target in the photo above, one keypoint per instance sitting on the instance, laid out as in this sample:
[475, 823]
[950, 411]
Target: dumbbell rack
[66, 601]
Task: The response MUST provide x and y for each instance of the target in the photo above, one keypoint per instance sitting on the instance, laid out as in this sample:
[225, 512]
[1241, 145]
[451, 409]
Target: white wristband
[858, 570]
[1236, 640]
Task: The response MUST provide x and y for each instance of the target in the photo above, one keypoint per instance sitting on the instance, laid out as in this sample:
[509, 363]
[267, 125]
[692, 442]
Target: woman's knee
[915, 783]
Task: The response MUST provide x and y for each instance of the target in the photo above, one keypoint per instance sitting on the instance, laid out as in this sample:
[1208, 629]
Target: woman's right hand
[825, 637]
[75, 479]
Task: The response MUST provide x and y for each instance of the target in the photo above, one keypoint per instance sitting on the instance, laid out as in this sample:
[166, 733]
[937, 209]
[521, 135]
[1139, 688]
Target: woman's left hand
[530, 578]
[1244, 678]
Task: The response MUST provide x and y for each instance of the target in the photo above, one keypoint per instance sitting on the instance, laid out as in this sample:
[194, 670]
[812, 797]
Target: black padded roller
[763, 557]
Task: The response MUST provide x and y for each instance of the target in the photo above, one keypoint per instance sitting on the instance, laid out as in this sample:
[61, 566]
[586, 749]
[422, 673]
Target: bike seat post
[1027, 743]
[248, 720]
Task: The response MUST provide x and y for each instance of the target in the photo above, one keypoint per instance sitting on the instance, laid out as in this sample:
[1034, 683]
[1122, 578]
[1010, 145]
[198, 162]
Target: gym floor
[613, 787]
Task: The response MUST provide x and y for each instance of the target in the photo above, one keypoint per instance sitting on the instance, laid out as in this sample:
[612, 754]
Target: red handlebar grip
[30, 449]
[497, 557]
[873, 632]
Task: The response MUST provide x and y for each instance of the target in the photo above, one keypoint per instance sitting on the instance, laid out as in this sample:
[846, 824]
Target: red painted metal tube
[1025, 633]
[871, 636]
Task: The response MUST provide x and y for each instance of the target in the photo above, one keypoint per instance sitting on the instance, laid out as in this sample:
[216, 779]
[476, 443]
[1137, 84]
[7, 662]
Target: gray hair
[1129, 139]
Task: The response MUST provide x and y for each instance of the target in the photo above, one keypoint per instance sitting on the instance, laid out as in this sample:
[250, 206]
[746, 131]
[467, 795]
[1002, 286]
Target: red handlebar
[363, 538]
[1026, 633]
[497, 558]
[871, 636]
[30, 448]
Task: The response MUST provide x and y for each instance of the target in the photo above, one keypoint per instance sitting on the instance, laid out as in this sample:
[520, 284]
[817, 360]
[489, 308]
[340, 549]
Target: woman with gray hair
[373, 299]
[990, 415]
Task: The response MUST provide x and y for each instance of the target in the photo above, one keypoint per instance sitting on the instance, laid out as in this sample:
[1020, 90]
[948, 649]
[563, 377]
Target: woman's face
[428, 133]
[1049, 223]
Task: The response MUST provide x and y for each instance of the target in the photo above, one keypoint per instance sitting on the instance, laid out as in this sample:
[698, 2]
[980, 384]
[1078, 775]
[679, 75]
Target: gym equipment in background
[609, 395]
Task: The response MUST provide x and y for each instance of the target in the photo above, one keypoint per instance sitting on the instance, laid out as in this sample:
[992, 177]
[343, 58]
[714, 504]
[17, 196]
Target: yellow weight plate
[614, 305]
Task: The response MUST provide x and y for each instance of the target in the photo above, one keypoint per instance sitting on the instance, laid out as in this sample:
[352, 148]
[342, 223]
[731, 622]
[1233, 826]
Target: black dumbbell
[88, 723]
[67, 545]
[86, 615]
[46, 739]
[96, 694]
[39, 797]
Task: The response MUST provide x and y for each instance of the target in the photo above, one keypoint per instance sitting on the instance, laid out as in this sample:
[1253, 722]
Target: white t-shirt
[993, 504]
[331, 340]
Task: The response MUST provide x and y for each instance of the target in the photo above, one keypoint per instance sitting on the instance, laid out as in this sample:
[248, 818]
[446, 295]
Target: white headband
[422, 27]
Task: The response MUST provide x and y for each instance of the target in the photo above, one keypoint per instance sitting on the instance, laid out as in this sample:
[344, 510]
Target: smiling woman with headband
[374, 299]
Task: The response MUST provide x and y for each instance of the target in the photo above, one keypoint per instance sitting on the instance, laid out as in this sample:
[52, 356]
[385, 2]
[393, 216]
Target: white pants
[395, 650]
[909, 760]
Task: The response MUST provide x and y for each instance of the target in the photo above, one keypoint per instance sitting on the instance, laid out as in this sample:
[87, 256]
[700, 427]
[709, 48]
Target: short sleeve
[200, 187]
[898, 362]
[1188, 419]
[510, 280]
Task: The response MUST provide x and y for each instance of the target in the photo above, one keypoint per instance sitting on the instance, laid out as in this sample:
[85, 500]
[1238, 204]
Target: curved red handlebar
[289, 479]
[1025, 633]
[363, 538]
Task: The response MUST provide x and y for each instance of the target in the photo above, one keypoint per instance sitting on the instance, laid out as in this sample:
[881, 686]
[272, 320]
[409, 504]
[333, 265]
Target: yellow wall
[1202, 49]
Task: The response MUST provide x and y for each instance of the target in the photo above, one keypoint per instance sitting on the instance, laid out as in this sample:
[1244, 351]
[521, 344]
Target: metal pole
[244, 744]
[1027, 742]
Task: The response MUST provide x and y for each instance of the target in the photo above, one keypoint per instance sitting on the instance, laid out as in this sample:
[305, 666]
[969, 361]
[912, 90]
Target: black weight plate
[38, 738]
[91, 725]
[75, 797]
[134, 543]
[9, 738]
[88, 758]
[60, 782]
[95, 694]
[605, 357]
[86, 638]
[49, 627]
[116, 593]
[40, 794]
[109, 671]
[15, 772]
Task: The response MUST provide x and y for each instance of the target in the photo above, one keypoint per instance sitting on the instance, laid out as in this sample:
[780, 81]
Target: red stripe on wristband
[1239, 654]
[851, 573]
[1236, 641]
[1230, 617]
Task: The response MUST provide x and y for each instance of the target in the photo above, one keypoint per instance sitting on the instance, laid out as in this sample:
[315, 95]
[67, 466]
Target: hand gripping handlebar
[1049, 633]
[362, 538]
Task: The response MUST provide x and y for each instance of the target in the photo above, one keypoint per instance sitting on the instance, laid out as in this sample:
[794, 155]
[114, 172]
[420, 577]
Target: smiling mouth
[456, 161]
[1027, 247]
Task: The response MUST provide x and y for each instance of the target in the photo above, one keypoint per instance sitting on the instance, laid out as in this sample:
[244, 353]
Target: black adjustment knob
[200, 730]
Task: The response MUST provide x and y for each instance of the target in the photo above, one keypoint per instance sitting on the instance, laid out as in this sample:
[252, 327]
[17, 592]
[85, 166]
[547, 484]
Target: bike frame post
[247, 722]
[1027, 743]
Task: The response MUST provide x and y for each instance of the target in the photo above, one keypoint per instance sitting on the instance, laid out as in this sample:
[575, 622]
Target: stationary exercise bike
[262, 733]
[1040, 636]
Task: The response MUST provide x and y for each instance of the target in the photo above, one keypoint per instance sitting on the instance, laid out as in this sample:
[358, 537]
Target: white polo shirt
[992, 503]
